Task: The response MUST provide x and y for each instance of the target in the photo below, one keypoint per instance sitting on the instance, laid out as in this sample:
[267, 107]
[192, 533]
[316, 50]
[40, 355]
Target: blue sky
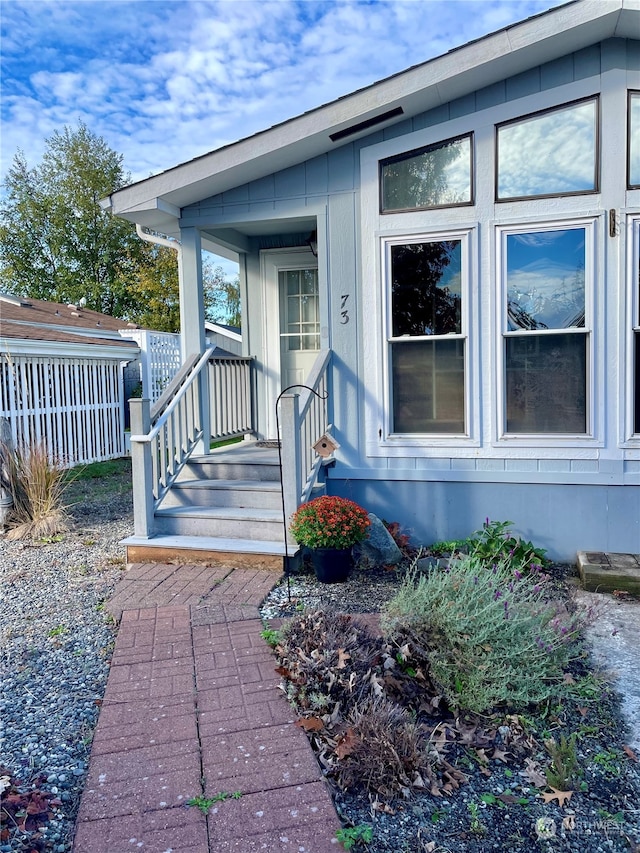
[163, 81]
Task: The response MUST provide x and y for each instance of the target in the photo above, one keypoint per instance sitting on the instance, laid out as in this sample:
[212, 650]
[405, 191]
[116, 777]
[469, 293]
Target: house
[61, 377]
[453, 255]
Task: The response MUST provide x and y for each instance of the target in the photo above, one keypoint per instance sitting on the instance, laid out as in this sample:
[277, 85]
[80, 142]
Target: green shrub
[486, 636]
[494, 542]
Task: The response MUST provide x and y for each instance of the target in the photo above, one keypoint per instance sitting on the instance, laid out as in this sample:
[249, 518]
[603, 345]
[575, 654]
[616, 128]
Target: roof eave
[156, 201]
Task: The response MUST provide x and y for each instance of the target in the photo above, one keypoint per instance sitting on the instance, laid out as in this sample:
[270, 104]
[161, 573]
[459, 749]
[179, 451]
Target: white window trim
[479, 219]
[631, 319]
[466, 237]
[594, 423]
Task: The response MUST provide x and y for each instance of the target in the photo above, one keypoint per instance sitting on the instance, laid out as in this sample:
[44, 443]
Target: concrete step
[262, 494]
[221, 522]
[239, 553]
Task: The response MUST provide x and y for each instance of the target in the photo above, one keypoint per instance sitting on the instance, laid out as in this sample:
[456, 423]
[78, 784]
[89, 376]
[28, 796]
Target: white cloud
[166, 82]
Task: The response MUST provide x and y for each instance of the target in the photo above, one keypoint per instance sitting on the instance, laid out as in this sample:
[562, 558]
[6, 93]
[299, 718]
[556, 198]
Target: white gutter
[158, 240]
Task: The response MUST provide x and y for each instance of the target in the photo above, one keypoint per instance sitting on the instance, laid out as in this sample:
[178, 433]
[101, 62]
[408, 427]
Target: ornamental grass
[36, 483]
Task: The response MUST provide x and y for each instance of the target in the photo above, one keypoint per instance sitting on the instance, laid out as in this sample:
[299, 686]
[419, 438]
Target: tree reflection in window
[426, 288]
[427, 348]
[436, 176]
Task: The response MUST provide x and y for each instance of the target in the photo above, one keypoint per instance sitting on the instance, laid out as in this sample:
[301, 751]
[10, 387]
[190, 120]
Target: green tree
[155, 290]
[222, 295]
[156, 294]
[56, 241]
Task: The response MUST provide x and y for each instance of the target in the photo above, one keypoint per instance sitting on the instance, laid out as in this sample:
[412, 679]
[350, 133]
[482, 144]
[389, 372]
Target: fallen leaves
[533, 774]
[347, 743]
[310, 724]
[562, 797]
[629, 753]
[28, 810]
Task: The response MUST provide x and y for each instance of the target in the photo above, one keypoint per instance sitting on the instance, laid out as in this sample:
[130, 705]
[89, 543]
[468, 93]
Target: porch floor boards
[193, 708]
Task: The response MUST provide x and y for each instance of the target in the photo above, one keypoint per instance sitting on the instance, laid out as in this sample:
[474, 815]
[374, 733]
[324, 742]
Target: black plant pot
[331, 565]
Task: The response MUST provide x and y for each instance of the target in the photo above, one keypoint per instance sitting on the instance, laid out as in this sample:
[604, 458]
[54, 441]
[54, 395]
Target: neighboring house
[228, 338]
[464, 239]
[61, 378]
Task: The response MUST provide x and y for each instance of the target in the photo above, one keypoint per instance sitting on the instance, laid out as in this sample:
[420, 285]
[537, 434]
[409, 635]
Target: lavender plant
[487, 636]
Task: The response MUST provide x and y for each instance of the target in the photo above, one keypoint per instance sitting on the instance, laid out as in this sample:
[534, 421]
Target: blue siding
[563, 504]
[442, 510]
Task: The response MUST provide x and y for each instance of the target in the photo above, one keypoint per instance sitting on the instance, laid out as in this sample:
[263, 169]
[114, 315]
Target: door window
[301, 322]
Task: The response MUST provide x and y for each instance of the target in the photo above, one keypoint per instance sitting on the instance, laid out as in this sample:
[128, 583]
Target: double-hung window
[426, 333]
[547, 274]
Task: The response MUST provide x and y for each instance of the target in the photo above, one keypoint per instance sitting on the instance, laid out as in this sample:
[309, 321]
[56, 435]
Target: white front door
[291, 322]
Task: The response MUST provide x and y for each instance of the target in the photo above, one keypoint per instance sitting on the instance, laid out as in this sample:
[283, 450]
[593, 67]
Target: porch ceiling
[156, 202]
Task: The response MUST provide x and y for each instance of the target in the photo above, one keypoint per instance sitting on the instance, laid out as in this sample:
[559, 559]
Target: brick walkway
[192, 707]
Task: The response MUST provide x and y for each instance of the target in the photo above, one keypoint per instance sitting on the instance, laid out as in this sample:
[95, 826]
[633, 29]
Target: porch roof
[156, 202]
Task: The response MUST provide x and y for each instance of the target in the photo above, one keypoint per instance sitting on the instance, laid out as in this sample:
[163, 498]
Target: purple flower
[518, 574]
[497, 595]
[475, 579]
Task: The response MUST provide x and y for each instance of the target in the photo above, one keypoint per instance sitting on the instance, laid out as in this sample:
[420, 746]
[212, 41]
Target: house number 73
[344, 312]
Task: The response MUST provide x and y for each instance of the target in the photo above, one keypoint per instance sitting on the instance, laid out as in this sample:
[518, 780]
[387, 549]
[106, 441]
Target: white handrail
[173, 405]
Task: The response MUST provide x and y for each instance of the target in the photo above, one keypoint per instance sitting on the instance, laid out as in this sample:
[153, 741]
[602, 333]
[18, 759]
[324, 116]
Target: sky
[164, 81]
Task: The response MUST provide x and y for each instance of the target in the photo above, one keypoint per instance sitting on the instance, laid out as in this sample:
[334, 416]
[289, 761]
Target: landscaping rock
[379, 546]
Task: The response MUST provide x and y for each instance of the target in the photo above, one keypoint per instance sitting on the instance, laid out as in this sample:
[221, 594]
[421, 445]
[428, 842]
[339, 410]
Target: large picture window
[426, 335]
[436, 176]
[549, 153]
[546, 337]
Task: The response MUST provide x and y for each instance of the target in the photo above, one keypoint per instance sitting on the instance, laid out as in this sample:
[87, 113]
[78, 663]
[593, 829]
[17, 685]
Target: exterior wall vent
[365, 125]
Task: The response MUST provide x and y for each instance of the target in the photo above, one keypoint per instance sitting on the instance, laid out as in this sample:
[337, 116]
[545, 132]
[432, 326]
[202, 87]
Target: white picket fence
[74, 405]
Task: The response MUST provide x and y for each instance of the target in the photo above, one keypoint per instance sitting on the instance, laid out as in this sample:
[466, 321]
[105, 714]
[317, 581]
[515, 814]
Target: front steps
[225, 508]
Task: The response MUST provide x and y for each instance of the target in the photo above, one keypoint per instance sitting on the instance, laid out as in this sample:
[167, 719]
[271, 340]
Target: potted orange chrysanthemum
[329, 527]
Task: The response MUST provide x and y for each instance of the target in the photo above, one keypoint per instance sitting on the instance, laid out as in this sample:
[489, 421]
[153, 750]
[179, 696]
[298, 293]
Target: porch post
[290, 452]
[141, 468]
[192, 318]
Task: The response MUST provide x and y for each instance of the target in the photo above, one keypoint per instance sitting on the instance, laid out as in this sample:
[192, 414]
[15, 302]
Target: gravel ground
[498, 808]
[56, 643]
[55, 647]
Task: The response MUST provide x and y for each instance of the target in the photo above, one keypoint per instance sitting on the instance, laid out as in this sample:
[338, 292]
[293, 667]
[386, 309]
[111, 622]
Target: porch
[195, 499]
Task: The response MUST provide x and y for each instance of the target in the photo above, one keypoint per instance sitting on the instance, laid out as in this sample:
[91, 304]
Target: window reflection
[427, 348]
[437, 176]
[545, 279]
[550, 153]
[426, 288]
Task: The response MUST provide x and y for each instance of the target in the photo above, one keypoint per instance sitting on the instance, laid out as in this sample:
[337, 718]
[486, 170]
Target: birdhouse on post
[325, 446]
